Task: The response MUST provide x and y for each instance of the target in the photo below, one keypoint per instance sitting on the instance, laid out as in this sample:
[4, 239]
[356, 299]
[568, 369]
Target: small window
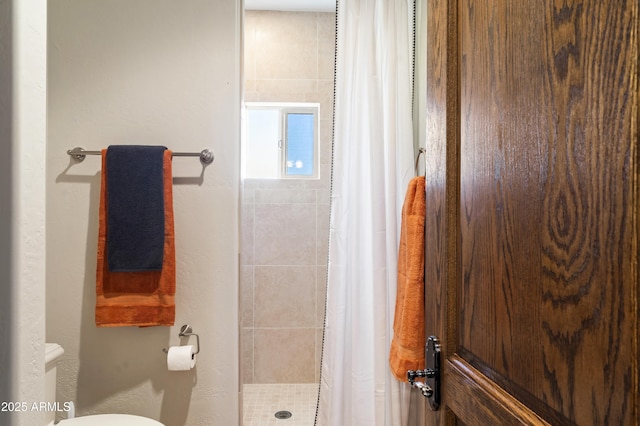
[280, 141]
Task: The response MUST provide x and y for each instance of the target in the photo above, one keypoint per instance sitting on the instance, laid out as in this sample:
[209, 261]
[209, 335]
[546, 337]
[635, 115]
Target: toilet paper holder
[187, 331]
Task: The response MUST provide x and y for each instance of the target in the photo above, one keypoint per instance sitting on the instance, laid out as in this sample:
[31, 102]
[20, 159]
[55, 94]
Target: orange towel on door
[407, 346]
[144, 298]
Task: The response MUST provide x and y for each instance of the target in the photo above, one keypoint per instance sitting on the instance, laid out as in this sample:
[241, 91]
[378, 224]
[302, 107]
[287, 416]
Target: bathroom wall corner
[22, 207]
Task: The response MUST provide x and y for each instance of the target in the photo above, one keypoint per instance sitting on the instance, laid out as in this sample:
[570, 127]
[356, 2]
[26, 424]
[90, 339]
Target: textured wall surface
[22, 208]
[154, 73]
[285, 223]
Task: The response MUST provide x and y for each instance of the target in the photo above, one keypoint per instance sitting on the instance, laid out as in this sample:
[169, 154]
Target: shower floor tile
[262, 401]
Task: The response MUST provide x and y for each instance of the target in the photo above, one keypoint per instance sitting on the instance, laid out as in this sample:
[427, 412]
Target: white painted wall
[22, 206]
[146, 72]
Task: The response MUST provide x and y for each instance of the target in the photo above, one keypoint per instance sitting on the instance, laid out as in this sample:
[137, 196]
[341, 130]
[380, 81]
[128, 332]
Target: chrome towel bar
[206, 155]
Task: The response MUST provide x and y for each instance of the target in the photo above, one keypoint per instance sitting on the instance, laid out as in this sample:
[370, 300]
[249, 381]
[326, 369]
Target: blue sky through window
[300, 147]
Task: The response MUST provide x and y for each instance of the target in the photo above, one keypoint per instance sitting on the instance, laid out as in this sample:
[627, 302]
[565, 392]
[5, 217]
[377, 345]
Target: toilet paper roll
[181, 358]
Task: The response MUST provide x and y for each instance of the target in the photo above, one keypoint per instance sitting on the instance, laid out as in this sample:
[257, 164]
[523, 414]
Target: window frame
[285, 108]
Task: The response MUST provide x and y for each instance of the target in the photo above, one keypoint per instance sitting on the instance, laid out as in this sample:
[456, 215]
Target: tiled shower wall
[289, 57]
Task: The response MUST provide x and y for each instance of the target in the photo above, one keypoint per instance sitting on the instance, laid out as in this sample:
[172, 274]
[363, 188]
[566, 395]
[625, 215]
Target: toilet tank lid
[110, 420]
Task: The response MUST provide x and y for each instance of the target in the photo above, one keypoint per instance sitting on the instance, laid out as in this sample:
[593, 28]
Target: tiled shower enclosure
[289, 57]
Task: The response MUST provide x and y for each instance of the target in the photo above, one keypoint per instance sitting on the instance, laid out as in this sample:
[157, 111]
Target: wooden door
[532, 210]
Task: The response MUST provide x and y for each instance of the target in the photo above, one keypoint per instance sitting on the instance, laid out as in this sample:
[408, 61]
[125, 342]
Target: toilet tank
[52, 353]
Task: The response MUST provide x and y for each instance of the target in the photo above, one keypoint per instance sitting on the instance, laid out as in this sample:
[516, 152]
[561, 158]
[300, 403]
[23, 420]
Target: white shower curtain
[372, 165]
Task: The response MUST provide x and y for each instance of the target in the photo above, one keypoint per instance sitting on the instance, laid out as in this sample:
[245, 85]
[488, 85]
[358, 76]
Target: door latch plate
[432, 359]
[430, 388]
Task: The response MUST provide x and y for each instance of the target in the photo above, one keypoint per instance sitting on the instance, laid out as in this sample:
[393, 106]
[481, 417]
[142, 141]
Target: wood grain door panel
[532, 202]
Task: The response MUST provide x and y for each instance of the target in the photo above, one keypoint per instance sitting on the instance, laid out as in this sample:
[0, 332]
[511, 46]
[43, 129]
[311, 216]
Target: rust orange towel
[137, 298]
[407, 346]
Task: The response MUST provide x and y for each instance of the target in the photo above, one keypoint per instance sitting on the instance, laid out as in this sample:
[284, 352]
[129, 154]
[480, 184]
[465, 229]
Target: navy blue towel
[135, 208]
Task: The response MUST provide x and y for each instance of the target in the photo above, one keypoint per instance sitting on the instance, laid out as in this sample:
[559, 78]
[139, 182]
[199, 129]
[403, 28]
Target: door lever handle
[412, 375]
[426, 390]
[430, 389]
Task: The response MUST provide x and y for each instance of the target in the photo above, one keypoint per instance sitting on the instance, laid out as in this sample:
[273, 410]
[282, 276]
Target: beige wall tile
[285, 234]
[284, 355]
[323, 197]
[326, 32]
[285, 196]
[246, 296]
[247, 348]
[325, 91]
[326, 135]
[321, 294]
[250, 96]
[247, 240]
[249, 47]
[322, 236]
[318, 354]
[286, 47]
[285, 89]
[285, 296]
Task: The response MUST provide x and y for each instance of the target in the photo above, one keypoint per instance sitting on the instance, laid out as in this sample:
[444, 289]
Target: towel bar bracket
[76, 153]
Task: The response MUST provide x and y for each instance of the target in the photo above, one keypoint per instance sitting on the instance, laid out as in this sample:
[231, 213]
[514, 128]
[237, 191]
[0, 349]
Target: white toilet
[53, 351]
